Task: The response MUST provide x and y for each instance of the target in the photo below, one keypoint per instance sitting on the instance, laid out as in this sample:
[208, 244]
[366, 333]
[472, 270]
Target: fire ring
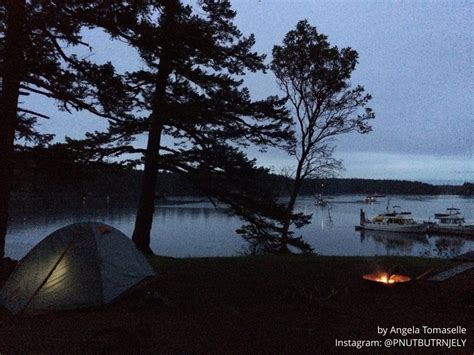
[386, 278]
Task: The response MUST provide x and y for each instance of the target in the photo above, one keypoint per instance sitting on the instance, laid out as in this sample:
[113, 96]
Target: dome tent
[83, 264]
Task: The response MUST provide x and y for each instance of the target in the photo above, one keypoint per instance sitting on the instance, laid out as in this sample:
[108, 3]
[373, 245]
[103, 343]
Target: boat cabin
[452, 217]
[402, 218]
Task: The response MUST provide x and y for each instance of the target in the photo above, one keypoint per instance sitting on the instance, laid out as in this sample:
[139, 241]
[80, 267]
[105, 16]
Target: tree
[315, 78]
[190, 103]
[33, 61]
[12, 45]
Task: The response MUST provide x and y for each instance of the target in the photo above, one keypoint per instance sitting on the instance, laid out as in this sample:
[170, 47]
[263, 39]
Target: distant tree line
[467, 189]
[51, 173]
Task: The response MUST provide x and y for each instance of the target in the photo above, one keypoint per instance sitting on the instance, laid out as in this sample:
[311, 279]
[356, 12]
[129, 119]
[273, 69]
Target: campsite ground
[271, 304]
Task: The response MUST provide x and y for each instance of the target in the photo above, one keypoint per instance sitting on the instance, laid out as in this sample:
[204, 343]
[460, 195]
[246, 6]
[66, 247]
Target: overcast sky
[415, 58]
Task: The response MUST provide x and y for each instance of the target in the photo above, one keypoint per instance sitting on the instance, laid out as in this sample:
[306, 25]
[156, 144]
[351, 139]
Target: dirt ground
[271, 304]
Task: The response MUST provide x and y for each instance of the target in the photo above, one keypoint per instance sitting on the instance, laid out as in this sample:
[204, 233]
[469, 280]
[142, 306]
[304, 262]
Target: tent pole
[47, 277]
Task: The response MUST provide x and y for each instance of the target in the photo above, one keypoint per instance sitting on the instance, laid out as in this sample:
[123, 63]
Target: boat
[399, 222]
[373, 198]
[370, 199]
[451, 222]
[451, 214]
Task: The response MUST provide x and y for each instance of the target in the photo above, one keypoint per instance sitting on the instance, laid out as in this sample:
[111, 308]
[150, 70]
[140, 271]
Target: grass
[269, 304]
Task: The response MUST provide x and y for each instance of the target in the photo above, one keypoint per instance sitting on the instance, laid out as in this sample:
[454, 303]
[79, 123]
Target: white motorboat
[400, 222]
[451, 222]
[451, 216]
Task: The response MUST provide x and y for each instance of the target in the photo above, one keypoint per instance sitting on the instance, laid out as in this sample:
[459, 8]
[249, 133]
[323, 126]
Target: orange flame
[385, 278]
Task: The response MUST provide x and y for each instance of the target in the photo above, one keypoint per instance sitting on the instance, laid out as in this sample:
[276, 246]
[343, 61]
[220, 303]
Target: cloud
[406, 166]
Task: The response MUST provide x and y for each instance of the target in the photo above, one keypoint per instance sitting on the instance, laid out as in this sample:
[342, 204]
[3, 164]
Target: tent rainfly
[80, 265]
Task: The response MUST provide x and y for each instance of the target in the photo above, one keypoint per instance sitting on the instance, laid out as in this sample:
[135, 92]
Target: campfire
[386, 278]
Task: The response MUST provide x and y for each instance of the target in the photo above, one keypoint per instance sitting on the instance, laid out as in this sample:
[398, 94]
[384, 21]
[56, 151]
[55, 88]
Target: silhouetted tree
[12, 19]
[315, 78]
[33, 61]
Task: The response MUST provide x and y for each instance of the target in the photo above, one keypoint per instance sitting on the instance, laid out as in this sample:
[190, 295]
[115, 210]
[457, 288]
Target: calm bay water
[195, 229]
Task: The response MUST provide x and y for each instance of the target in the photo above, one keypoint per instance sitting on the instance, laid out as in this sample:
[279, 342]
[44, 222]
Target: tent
[83, 264]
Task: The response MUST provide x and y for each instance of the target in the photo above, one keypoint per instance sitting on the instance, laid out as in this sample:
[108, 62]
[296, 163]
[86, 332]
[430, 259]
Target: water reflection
[448, 246]
[429, 246]
[401, 241]
[195, 228]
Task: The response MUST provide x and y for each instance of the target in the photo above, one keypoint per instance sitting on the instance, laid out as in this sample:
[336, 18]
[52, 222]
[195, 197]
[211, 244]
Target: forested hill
[59, 178]
[371, 186]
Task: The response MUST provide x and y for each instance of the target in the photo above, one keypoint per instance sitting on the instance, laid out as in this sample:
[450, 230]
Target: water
[193, 229]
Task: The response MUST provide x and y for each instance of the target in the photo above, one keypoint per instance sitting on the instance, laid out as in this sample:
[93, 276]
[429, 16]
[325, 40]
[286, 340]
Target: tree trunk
[12, 71]
[146, 203]
[290, 207]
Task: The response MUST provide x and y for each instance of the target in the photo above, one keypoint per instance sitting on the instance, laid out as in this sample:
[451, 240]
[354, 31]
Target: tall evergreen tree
[12, 18]
[33, 61]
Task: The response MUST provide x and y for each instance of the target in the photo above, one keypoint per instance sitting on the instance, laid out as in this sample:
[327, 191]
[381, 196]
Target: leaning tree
[315, 77]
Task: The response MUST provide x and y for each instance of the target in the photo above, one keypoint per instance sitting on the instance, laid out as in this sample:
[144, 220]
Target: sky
[415, 58]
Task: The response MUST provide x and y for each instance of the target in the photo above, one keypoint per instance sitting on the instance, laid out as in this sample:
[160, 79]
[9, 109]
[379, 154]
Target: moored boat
[399, 222]
[451, 222]
[370, 199]
[451, 213]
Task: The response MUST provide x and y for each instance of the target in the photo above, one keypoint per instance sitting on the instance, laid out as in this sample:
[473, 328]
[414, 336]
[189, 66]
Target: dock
[461, 230]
